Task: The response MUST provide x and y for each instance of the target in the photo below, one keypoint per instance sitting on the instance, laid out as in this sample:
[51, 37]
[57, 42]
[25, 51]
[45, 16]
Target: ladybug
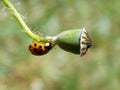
[40, 48]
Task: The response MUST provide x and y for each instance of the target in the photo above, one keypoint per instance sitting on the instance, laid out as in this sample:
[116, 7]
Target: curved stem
[22, 23]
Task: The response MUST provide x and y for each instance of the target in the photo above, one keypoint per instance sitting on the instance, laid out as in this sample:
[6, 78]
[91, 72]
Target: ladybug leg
[33, 41]
[39, 34]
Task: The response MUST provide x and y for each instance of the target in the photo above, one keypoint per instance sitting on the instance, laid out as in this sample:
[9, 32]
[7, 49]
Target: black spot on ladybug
[34, 49]
[35, 44]
[40, 47]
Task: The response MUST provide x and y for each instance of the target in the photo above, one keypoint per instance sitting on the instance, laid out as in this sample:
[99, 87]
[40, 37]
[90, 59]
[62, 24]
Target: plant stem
[22, 23]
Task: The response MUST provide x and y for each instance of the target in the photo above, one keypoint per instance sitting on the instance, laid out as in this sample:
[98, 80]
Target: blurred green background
[99, 69]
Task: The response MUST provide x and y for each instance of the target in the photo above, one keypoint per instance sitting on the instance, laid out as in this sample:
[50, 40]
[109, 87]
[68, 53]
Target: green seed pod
[76, 41]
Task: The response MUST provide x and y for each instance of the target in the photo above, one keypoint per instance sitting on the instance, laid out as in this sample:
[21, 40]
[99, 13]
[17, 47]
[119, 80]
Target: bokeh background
[99, 69]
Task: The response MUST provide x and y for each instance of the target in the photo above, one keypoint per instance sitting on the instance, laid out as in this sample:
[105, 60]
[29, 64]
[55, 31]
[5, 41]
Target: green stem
[22, 23]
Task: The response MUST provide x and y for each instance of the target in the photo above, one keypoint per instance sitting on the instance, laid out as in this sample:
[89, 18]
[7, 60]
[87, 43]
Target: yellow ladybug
[40, 48]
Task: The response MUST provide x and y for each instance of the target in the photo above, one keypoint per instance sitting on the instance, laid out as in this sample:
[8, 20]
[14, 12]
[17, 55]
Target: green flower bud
[76, 41]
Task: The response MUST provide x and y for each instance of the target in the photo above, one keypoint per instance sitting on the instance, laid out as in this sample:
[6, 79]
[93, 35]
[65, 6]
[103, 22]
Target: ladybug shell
[38, 48]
